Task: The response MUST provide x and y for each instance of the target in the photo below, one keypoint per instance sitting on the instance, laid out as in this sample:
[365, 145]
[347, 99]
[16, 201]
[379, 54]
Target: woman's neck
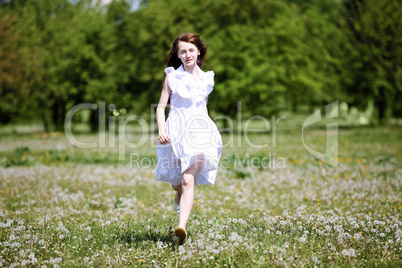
[193, 70]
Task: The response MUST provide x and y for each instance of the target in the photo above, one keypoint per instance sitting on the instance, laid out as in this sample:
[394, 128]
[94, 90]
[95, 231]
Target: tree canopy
[270, 55]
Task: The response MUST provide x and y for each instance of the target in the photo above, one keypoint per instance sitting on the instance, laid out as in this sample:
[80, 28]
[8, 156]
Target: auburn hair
[173, 59]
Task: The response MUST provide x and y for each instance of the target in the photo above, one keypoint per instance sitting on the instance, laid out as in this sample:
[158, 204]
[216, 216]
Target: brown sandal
[181, 234]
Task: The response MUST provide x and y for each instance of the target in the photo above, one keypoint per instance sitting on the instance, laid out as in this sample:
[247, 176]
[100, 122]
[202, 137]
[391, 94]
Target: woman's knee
[177, 187]
[188, 180]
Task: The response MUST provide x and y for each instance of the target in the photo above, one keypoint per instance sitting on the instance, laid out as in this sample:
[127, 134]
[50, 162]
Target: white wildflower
[349, 252]
[22, 253]
[182, 250]
[315, 259]
[357, 236]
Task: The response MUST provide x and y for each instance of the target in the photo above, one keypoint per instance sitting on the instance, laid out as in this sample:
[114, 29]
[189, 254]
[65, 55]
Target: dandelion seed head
[315, 259]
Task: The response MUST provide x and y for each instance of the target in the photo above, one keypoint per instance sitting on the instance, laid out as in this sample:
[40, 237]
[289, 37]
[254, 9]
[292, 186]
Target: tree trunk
[45, 123]
[94, 119]
[385, 104]
[58, 115]
[291, 104]
[388, 113]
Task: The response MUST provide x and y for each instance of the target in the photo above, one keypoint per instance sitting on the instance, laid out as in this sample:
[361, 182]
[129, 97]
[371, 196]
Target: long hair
[194, 39]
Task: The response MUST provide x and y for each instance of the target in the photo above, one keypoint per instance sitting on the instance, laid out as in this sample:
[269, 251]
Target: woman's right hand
[163, 138]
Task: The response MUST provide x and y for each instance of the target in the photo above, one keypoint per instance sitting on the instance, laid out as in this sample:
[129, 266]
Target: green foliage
[12, 65]
[18, 157]
[272, 56]
[373, 60]
[278, 63]
[25, 156]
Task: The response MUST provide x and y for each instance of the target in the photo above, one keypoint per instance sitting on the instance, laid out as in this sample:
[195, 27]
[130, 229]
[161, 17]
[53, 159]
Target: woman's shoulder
[208, 75]
[169, 70]
[207, 78]
[170, 75]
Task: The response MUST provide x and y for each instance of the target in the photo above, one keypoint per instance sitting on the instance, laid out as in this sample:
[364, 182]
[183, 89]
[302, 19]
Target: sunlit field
[62, 206]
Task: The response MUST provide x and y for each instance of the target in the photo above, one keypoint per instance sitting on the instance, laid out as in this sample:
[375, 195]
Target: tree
[264, 53]
[11, 67]
[374, 32]
[69, 44]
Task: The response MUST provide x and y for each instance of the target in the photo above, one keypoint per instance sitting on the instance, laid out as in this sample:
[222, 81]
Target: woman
[189, 143]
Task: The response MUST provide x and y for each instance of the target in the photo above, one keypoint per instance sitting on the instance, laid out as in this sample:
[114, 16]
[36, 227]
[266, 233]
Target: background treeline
[271, 55]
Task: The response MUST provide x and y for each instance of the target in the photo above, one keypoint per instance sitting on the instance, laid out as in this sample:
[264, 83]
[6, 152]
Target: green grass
[66, 206]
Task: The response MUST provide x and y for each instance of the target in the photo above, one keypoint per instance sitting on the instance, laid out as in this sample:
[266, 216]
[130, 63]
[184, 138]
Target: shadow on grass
[153, 233]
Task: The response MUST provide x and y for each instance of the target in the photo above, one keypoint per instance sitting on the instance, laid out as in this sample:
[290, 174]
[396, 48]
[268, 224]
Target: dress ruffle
[182, 83]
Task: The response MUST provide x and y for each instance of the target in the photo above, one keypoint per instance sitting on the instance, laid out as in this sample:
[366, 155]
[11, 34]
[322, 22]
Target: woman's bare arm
[160, 112]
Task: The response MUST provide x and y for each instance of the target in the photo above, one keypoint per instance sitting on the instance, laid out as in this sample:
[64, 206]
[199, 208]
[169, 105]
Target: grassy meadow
[62, 206]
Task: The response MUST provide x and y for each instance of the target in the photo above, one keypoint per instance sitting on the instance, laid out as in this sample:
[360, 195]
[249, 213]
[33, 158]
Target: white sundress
[190, 128]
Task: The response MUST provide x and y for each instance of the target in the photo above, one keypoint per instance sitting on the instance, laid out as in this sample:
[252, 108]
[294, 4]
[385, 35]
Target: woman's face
[188, 53]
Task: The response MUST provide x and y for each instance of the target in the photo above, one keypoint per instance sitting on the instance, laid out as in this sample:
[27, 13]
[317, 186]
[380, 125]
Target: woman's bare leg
[187, 196]
[179, 191]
